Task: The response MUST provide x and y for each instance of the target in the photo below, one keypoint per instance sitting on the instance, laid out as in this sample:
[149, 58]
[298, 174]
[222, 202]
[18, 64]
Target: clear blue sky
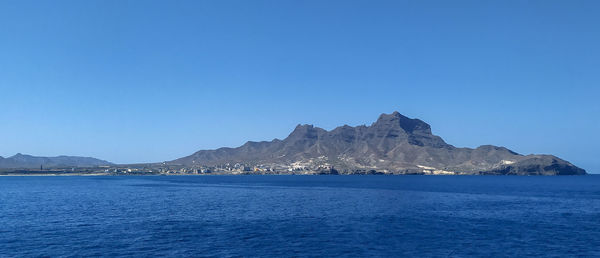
[142, 81]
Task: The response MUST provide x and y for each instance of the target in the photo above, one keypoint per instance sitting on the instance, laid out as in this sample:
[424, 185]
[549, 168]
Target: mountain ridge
[393, 144]
[29, 161]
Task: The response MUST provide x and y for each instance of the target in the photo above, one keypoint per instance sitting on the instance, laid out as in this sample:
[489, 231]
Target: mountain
[27, 161]
[393, 144]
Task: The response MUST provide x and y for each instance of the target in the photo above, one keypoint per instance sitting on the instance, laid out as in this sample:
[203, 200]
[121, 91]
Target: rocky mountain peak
[20, 156]
[408, 125]
[306, 131]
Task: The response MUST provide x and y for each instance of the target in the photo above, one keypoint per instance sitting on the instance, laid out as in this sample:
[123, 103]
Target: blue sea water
[356, 216]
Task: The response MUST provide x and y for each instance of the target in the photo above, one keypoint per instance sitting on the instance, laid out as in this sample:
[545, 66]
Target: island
[392, 145]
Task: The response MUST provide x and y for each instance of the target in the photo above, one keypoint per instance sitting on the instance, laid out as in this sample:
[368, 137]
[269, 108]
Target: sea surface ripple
[282, 216]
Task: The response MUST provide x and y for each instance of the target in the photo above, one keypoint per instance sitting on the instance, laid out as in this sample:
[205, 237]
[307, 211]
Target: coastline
[249, 174]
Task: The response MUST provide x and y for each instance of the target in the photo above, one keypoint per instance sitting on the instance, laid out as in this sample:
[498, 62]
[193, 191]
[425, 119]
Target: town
[176, 169]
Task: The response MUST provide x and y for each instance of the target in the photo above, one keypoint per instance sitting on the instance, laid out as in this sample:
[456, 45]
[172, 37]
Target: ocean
[283, 216]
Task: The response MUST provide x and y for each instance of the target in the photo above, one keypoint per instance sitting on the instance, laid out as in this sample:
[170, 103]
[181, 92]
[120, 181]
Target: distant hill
[27, 161]
[393, 144]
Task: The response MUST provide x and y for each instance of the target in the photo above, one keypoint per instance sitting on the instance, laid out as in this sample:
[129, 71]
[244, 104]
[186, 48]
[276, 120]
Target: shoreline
[125, 175]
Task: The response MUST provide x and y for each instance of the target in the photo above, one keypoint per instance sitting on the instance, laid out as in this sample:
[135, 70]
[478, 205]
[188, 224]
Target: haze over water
[443, 216]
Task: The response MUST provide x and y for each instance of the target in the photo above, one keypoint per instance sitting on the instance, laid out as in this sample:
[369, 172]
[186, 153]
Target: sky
[149, 81]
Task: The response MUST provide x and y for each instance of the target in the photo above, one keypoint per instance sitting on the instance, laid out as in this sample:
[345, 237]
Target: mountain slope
[393, 144]
[27, 161]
